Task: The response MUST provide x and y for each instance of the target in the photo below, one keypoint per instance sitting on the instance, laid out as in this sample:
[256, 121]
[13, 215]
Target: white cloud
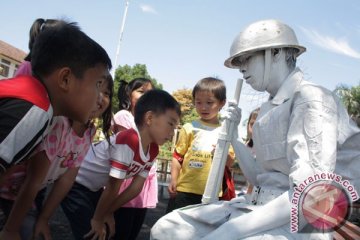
[147, 9]
[339, 45]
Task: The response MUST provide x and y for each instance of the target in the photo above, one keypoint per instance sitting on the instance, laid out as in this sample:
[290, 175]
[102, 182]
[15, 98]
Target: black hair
[157, 101]
[213, 85]
[39, 25]
[65, 45]
[249, 141]
[107, 114]
[126, 88]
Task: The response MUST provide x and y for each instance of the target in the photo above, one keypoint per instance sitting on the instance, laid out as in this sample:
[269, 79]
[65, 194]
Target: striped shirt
[25, 114]
[127, 157]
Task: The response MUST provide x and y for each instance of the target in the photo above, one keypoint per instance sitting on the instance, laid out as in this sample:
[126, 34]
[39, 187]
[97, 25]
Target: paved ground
[61, 230]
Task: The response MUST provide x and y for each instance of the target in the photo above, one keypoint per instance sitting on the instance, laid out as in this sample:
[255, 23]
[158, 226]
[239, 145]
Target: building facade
[10, 59]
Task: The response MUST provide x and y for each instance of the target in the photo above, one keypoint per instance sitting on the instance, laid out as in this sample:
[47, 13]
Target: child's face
[208, 106]
[83, 97]
[137, 93]
[104, 100]
[162, 126]
[250, 126]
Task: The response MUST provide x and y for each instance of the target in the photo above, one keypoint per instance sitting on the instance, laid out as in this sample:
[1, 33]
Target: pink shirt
[64, 149]
[24, 69]
[125, 119]
[148, 197]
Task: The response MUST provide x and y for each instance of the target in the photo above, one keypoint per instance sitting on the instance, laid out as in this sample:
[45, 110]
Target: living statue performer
[300, 132]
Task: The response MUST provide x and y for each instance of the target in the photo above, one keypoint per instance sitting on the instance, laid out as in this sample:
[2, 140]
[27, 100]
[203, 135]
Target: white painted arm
[270, 216]
[246, 161]
[245, 158]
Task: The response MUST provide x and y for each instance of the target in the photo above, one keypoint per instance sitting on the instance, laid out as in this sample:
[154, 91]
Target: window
[4, 67]
[16, 68]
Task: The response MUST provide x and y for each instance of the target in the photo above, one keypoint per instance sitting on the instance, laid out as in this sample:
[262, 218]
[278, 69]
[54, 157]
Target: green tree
[128, 73]
[350, 97]
[184, 97]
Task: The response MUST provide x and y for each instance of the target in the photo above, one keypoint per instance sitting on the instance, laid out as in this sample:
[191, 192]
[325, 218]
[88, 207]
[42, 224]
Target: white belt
[263, 195]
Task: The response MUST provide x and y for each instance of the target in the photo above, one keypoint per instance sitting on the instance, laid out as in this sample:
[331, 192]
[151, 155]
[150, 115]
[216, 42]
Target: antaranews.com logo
[321, 203]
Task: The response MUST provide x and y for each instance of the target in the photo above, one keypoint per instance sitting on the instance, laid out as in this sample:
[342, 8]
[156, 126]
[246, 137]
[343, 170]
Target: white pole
[216, 174]
[120, 37]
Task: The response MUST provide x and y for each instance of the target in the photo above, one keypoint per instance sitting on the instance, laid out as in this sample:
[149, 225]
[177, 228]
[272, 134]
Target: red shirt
[128, 158]
[25, 114]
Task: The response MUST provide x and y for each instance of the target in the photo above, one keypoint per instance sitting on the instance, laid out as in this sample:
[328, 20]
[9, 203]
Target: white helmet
[262, 35]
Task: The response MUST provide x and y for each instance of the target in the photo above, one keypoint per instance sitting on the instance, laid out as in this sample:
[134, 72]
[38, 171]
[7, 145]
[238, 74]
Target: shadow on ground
[61, 230]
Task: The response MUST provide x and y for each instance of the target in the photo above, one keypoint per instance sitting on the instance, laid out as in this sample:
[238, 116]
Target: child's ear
[64, 78]
[149, 117]
[222, 104]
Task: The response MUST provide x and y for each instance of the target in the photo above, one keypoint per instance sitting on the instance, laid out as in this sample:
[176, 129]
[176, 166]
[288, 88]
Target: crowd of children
[93, 174]
[47, 114]
[46, 120]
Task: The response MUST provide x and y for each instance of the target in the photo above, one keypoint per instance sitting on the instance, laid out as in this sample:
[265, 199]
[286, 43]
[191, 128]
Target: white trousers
[197, 221]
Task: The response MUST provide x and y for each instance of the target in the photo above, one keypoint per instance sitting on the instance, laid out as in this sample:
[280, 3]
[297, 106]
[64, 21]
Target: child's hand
[42, 229]
[110, 221]
[172, 188]
[97, 230]
[6, 235]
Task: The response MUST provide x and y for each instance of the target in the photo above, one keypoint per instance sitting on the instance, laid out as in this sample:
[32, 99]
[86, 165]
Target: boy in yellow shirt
[192, 157]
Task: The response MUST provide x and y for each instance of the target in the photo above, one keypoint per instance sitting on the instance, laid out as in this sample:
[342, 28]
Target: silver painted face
[252, 66]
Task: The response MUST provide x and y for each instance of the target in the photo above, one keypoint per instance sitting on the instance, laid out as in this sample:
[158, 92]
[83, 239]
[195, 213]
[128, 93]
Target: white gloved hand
[233, 113]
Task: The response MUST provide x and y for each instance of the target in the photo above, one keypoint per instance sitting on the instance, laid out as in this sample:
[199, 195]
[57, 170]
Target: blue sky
[182, 41]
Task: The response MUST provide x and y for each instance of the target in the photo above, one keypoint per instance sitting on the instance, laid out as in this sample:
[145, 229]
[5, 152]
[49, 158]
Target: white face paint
[252, 66]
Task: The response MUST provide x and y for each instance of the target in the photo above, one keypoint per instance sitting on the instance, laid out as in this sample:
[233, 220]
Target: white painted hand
[233, 113]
